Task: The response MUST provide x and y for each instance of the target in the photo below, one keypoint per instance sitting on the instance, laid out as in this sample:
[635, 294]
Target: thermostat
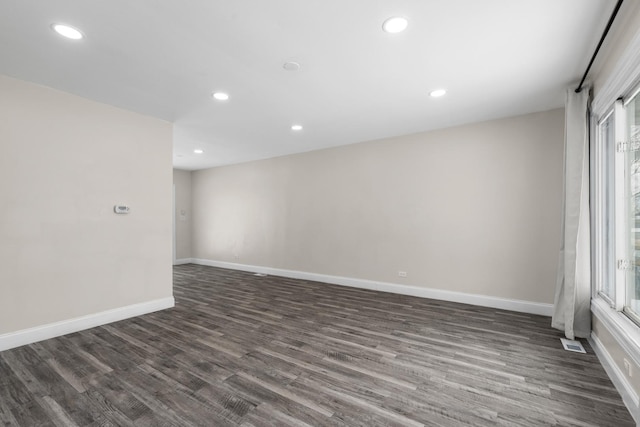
[121, 209]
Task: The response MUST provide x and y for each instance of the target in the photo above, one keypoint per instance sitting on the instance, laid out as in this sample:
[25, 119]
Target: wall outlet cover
[121, 209]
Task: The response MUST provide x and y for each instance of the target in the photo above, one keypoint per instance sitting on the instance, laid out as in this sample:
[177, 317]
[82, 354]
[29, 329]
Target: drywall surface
[65, 162]
[472, 209]
[182, 187]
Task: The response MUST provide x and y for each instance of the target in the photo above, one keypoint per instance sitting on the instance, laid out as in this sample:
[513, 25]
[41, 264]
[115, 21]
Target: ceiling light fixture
[437, 93]
[198, 151]
[220, 96]
[291, 66]
[395, 24]
[296, 127]
[67, 31]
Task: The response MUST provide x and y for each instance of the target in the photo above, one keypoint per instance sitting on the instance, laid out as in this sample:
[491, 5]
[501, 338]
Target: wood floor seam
[243, 350]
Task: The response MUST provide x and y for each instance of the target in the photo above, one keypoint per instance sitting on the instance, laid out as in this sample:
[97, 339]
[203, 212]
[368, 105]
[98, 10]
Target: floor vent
[236, 405]
[572, 345]
[336, 355]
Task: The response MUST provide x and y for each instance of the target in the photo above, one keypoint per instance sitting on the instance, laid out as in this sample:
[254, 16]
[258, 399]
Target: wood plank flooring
[267, 351]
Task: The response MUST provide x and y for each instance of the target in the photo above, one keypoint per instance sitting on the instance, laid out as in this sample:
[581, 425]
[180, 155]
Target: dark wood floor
[266, 351]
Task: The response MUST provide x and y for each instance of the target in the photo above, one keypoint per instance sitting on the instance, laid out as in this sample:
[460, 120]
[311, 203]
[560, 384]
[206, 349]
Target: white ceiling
[164, 58]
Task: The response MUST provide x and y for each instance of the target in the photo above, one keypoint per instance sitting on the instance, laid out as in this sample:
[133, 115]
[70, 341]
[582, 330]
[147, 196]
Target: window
[617, 207]
[604, 252]
[631, 153]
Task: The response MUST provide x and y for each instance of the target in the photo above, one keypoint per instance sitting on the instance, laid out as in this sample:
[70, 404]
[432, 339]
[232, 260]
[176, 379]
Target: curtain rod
[604, 35]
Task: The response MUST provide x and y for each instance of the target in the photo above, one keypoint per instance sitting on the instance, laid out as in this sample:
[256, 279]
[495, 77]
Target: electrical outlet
[627, 368]
[402, 274]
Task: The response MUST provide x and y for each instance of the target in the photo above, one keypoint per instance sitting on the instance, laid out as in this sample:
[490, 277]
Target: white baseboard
[439, 294]
[52, 330]
[619, 380]
[181, 261]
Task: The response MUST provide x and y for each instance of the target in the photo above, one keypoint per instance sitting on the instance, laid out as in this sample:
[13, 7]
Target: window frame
[603, 184]
[624, 136]
[622, 71]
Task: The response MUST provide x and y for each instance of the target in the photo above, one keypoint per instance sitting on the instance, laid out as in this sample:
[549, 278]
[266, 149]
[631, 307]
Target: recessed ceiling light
[67, 31]
[437, 93]
[396, 24]
[220, 96]
[198, 151]
[291, 66]
[296, 127]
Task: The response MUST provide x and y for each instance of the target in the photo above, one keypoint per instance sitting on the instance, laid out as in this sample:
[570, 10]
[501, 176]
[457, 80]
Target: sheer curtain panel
[571, 312]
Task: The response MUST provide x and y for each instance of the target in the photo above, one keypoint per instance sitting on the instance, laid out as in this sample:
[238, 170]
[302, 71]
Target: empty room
[320, 213]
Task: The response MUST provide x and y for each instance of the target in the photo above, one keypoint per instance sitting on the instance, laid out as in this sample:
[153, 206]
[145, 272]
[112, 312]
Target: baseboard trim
[52, 330]
[181, 261]
[439, 294]
[628, 394]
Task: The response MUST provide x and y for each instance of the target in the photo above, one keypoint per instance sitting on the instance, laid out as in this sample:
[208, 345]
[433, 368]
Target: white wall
[183, 213]
[64, 163]
[473, 209]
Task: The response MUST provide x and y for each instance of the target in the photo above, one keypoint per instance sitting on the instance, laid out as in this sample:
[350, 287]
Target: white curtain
[571, 312]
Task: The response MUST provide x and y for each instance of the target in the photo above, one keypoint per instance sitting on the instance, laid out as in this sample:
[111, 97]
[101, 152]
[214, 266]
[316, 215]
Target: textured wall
[183, 213]
[65, 162]
[473, 209]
